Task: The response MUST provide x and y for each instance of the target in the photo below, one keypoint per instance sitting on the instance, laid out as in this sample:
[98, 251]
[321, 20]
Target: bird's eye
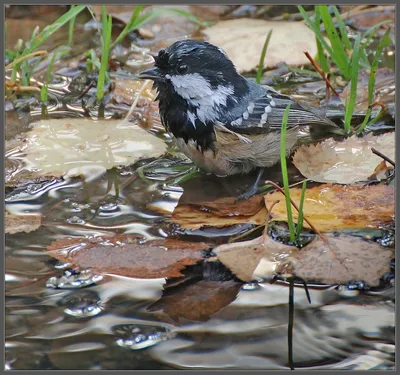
[182, 69]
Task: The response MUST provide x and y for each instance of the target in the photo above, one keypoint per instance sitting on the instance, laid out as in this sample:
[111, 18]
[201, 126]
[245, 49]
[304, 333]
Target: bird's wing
[266, 112]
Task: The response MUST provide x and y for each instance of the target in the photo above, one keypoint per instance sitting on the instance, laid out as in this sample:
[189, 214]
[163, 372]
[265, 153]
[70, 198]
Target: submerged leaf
[124, 255]
[21, 223]
[330, 207]
[76, 147]
[196, 302]
[243, 39]
[219, 213]
[343, 162]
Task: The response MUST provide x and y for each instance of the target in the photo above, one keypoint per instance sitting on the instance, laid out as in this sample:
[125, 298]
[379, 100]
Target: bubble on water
[345, 292]
[108, 207]
[135, 337]
[251, 286]
[73, 280]
[62, 265]
[75, 220]
[83, 304]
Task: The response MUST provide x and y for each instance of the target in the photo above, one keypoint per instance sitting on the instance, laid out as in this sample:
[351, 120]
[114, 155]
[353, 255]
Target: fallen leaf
[384, 90]
[196, 302]
[343, 162]
[80, 146]
[21, 223]
[219, 213]
[243, 39]
[331, 207]
[249, 259]
[127, 89]
[363, 19]
[341, 259]
[125, 255]
[344, 258]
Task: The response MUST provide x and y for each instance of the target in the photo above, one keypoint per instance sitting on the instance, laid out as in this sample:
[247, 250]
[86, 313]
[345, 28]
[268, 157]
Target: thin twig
[380, 104]
[384, 157]
[276, 186]
[321, 72]
[87, 88]
[25, 57]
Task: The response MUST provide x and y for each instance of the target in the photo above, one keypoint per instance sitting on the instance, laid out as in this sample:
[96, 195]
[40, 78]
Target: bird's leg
[253, 188]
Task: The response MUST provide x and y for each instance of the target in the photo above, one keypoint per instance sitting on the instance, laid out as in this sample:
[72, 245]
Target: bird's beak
[152, 73]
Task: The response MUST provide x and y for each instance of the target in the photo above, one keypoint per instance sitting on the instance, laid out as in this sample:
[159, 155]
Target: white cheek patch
[199, 93]
[191, 86]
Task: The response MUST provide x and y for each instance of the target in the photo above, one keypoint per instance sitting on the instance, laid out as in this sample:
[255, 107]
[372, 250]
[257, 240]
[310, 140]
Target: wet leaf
[243, 39]
[196, 302]
[363, 19]
[21, 223]
[344, 258]
[125, 255]
[343, 162]
[249, 259]
[384, 88]
[341, 259]
[76, 147]
[126, 90]
[219, 213]
[331, 207]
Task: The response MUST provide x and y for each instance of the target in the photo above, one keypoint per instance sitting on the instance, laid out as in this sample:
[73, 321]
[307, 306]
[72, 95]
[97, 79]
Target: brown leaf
[196, 302]
[341, 259]
[124, 255]
[243, 39]
[248, 259]
[21, 223]
[343, 162]
[219, 213]
[331, 207]
[344, 258]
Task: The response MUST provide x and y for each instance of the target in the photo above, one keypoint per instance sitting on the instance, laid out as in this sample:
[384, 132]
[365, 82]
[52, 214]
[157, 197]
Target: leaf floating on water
[344, 258]
[219, 213]
[331, 207]
[196, 302]
[21, 223]
[258, 257]
[124, 255]
[243, 39]
[343, 162]
[76, 147]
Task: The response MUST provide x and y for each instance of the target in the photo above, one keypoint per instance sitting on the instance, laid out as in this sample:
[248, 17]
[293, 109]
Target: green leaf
[104, 61]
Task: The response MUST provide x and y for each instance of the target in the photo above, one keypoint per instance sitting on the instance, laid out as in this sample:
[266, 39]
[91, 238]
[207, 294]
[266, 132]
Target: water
[73, 319]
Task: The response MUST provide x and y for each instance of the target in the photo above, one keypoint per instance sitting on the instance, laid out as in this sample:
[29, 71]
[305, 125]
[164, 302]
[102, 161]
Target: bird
[224, 122]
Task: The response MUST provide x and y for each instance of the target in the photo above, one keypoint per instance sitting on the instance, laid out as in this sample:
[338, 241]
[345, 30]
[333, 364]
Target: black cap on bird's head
[192, 68]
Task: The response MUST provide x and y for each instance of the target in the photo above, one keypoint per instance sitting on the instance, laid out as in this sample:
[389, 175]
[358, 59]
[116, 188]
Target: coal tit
[225, 123]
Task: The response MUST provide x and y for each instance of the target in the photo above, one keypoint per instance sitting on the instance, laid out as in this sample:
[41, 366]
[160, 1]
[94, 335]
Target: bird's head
[199, 72]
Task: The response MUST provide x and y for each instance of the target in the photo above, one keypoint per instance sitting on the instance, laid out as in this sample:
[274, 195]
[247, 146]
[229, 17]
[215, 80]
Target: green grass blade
[321, 53]
[285, 175]
[384, 42]
[342, 28]
[103, 23]
[71, 29]
[48, 31]
[340, 57]
[300, 219]
[262, 57]
[138, 20]
[104, 61]
[351, 103]
[129, 26]
[319, 36]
